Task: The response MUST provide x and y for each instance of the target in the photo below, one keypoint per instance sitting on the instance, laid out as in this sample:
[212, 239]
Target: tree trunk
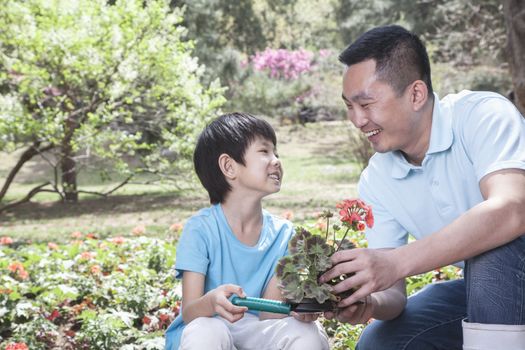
[515, 23]
[68, 163]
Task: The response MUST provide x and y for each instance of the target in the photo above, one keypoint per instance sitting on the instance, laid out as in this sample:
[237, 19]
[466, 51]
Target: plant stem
[342, 239]
[327, 228]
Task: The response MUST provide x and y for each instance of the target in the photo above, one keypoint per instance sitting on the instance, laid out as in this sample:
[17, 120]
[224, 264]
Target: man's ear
[418, 94]
[228, 166]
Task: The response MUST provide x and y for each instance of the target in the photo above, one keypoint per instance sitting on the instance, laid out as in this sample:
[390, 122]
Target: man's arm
[499, 219]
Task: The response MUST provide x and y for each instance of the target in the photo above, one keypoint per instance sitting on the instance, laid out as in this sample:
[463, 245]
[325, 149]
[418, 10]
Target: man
[451, 173]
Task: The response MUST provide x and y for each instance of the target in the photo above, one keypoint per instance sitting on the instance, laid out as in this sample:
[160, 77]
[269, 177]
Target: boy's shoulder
[276, 221]
[204, 214]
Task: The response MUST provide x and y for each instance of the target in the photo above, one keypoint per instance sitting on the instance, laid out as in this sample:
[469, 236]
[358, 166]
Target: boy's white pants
[250, 333]
[479, 336]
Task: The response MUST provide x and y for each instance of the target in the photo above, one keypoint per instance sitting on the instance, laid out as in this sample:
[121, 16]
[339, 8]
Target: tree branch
[29, 153]
[27, 198]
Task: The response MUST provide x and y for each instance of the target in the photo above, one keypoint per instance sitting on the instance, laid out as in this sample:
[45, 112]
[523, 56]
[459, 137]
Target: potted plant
[309, 257]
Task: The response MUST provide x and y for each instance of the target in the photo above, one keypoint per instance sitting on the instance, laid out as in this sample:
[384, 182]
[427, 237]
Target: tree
[109, 82]
[515, 23]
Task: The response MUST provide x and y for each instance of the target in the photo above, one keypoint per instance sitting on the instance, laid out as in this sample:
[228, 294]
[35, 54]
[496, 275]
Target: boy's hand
[219, 303]
[305, 317]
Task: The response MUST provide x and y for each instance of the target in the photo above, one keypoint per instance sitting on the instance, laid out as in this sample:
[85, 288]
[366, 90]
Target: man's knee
[206, 333]
[494, 281]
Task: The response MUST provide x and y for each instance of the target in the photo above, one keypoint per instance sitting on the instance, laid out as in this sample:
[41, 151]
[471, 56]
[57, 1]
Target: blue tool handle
[260, 304]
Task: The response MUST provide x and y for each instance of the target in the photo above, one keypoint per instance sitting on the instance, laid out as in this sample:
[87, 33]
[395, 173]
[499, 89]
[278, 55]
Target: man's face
[387, 120]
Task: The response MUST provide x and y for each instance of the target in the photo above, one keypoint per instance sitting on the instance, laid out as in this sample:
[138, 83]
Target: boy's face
[262, 171]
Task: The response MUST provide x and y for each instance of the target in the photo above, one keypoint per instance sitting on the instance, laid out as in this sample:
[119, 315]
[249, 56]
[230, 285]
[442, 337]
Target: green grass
[318, 173]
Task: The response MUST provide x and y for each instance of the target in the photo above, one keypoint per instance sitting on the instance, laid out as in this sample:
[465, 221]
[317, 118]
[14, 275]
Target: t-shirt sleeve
[192, 252]
[386, 231]
[494, 135]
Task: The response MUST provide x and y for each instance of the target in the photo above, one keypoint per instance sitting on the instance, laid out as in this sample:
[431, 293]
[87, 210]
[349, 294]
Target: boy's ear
[227, 166]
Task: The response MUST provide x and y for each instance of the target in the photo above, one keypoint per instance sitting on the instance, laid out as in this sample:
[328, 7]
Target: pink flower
[118, 240]
[288, 215]
[16, 346]
[76, 234]
[283, 64]
[5, 240]
[87, 255]
[176, 227]
[95, 269]
[52, 246]
[139, 230]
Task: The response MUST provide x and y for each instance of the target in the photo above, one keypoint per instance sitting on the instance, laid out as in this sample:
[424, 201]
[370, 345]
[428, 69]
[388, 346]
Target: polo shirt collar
[441, 137]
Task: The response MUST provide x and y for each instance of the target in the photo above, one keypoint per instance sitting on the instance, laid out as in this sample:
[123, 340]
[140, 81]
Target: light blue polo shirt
[208, 246]
[473, 134]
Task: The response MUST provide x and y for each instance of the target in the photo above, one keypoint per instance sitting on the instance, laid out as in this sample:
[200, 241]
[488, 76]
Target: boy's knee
[206, 333]
[303, 336]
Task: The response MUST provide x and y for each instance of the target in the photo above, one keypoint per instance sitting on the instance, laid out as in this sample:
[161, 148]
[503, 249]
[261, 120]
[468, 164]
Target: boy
[233, 246]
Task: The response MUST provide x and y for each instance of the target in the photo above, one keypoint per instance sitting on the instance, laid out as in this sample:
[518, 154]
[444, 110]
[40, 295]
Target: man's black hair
[401, 58]
[231, 134]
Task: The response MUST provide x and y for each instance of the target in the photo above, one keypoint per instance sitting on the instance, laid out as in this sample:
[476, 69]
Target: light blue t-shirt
[473, 134]
[208, 246]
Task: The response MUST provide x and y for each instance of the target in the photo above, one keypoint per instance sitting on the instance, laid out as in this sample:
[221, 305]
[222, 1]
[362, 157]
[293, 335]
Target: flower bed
[116, 293]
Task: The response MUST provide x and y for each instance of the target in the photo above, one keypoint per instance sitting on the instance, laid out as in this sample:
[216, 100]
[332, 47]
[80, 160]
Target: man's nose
[358, 118]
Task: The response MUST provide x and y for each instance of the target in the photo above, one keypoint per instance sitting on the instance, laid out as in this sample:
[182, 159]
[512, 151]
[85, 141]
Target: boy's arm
[197, 304]
[272, 292]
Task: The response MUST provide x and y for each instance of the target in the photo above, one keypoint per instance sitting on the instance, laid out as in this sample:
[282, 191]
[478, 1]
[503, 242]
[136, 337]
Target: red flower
[53, 315]
[5, 240]
[354, 212]
[146, 320]
[16, 346]
[91, 236]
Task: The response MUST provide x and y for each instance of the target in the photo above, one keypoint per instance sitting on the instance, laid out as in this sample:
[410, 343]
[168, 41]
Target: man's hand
[354, 314]
[374, 270]
[221, 305]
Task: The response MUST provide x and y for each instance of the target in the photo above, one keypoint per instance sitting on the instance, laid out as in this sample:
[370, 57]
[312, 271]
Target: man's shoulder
[466, 100]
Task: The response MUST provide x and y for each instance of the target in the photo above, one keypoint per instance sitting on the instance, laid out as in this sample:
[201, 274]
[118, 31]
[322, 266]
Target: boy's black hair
[231, 134]
[400, 56]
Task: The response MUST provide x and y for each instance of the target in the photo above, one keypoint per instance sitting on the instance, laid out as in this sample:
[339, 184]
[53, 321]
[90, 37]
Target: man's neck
[419, 149]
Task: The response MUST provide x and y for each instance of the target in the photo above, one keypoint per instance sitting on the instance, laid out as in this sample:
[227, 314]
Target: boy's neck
[244, 218]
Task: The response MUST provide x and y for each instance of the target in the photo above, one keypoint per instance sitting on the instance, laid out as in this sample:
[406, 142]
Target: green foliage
[309, 256]
[88, 294]
[89, 80]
